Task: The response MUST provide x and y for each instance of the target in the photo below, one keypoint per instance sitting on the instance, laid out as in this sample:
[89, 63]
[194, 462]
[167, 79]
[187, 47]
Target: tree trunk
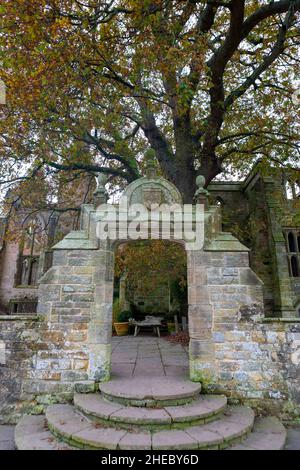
[184, 175]
[210, 167]
[185, 182]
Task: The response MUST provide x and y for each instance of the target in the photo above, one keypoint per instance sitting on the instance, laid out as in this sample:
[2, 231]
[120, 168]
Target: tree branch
[276, 51]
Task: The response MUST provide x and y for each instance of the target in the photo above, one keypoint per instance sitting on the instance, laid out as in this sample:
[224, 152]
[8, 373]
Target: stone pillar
[200, 317]
[100, 326]
[75, 299]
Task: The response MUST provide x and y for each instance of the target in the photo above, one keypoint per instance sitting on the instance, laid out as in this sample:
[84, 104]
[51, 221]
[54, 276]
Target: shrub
[116, 310]
[124, 316]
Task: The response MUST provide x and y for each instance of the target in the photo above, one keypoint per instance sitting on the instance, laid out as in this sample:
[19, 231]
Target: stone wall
[257, 212]
[151, 301]
[221, 285]
[259, 363]
[18, 347]
[256, 362]
[69, 346]
[76, 302]
[245, 214]
[231, 350]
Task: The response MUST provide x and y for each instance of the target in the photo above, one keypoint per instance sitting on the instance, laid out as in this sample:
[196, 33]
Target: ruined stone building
[262, 212]
[243, 298]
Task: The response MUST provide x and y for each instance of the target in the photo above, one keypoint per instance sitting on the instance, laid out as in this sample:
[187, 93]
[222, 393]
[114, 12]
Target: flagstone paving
[7, 437]
[145, 356]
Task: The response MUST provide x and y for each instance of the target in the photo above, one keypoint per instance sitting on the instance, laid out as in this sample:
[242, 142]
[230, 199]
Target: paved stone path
[145, 356]
[293, 439]
[7, 437]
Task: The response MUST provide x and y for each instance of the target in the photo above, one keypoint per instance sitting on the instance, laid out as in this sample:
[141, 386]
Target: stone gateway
[237, 348]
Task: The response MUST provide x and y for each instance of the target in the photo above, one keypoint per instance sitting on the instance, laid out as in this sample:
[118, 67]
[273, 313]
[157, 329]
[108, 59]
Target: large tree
[92, 84]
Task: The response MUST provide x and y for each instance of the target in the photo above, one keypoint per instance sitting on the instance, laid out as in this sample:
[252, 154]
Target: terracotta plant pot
[122, 328]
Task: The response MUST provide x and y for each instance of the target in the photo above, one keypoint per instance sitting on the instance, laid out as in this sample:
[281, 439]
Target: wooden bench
[149, 322]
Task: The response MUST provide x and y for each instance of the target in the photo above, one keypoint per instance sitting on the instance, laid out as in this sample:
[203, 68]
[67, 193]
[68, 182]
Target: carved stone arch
[156, 190]
[221, 285]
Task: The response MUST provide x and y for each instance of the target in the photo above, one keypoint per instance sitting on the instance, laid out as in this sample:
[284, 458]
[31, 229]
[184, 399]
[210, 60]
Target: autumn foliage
[91, 85]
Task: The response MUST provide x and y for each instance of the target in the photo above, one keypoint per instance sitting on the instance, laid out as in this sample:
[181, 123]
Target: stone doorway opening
[150, 280]
[150, 296]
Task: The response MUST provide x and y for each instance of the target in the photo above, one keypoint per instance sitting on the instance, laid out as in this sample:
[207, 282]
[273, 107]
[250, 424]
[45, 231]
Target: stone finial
[201, 195]
[101, 180]
[151, 172]
[100, 195]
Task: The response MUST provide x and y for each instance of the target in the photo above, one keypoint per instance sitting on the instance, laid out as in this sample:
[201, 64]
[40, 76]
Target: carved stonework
[145, 191]
[151, 196]
[201, 195]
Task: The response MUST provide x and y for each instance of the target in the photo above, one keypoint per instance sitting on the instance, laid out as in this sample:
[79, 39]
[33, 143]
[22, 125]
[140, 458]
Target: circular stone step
[158, 391]
[71, 427]
[203, 409]
[268, 434]
[77, 430]
[236, 424]
[32, 433]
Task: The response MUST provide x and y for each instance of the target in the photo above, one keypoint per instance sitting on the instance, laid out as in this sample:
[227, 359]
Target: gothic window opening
[289, 190]
[291, 240]
[294, 266]
[29, 270]
[30, 250]
[293, 251]
[292, 189]
[219, 201]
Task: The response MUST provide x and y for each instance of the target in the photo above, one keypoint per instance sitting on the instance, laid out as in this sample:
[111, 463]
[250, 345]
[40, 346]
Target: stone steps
[32, 433]
[268, 434]
[129, 420]
[233, 426]
[201, 410]
[161, 391]
[70, 426]
[77, 430]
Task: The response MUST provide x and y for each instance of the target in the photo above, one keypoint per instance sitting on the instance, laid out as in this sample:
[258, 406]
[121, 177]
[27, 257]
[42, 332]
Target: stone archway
[76, 294]
[143, 191]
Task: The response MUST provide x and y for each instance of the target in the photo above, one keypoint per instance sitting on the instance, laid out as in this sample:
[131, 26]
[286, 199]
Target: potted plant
[170, 323]
[122, 325]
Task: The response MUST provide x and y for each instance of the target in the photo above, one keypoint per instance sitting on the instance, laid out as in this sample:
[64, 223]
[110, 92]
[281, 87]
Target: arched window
[294, 266]
[219, 201]
[293, 251]
[289, 190]
[292, 189]
[291, 241]
[30, 250]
